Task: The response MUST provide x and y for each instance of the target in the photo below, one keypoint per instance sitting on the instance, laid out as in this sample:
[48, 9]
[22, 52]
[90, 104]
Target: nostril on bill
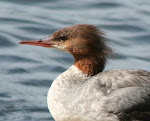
[40, 41]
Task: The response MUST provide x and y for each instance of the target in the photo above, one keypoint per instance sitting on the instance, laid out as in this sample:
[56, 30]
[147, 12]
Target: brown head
[85, 42]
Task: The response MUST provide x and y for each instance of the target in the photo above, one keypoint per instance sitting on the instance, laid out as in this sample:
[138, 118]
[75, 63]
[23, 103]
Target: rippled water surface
[26, 72]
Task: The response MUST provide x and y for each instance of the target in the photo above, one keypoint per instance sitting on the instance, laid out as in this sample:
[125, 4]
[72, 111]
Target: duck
[85, 92]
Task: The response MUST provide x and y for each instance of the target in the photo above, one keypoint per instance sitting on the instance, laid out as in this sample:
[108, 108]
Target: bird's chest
[64, 101]
[69, 100]
[75, 102]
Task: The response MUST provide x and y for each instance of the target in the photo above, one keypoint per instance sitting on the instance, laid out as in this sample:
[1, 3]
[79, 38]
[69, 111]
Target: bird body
[107, 96]
[87, 93]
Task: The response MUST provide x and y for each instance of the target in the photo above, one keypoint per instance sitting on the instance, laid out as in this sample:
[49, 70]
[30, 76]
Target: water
[26, 72]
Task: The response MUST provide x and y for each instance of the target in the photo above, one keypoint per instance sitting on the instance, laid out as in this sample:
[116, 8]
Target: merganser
[85, 92]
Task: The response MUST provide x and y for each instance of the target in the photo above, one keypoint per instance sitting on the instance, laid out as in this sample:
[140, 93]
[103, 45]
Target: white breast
[74, 96]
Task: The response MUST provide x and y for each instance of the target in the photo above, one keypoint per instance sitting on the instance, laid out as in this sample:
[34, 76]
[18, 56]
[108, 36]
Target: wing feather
[129, 92]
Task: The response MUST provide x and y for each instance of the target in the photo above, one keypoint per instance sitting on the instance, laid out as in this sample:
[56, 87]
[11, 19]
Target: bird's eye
[63, 37]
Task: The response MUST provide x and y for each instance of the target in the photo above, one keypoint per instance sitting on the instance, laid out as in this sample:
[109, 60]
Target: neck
[90, 64]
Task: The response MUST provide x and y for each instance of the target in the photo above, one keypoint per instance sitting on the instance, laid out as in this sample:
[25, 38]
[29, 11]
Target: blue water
[26, 72]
